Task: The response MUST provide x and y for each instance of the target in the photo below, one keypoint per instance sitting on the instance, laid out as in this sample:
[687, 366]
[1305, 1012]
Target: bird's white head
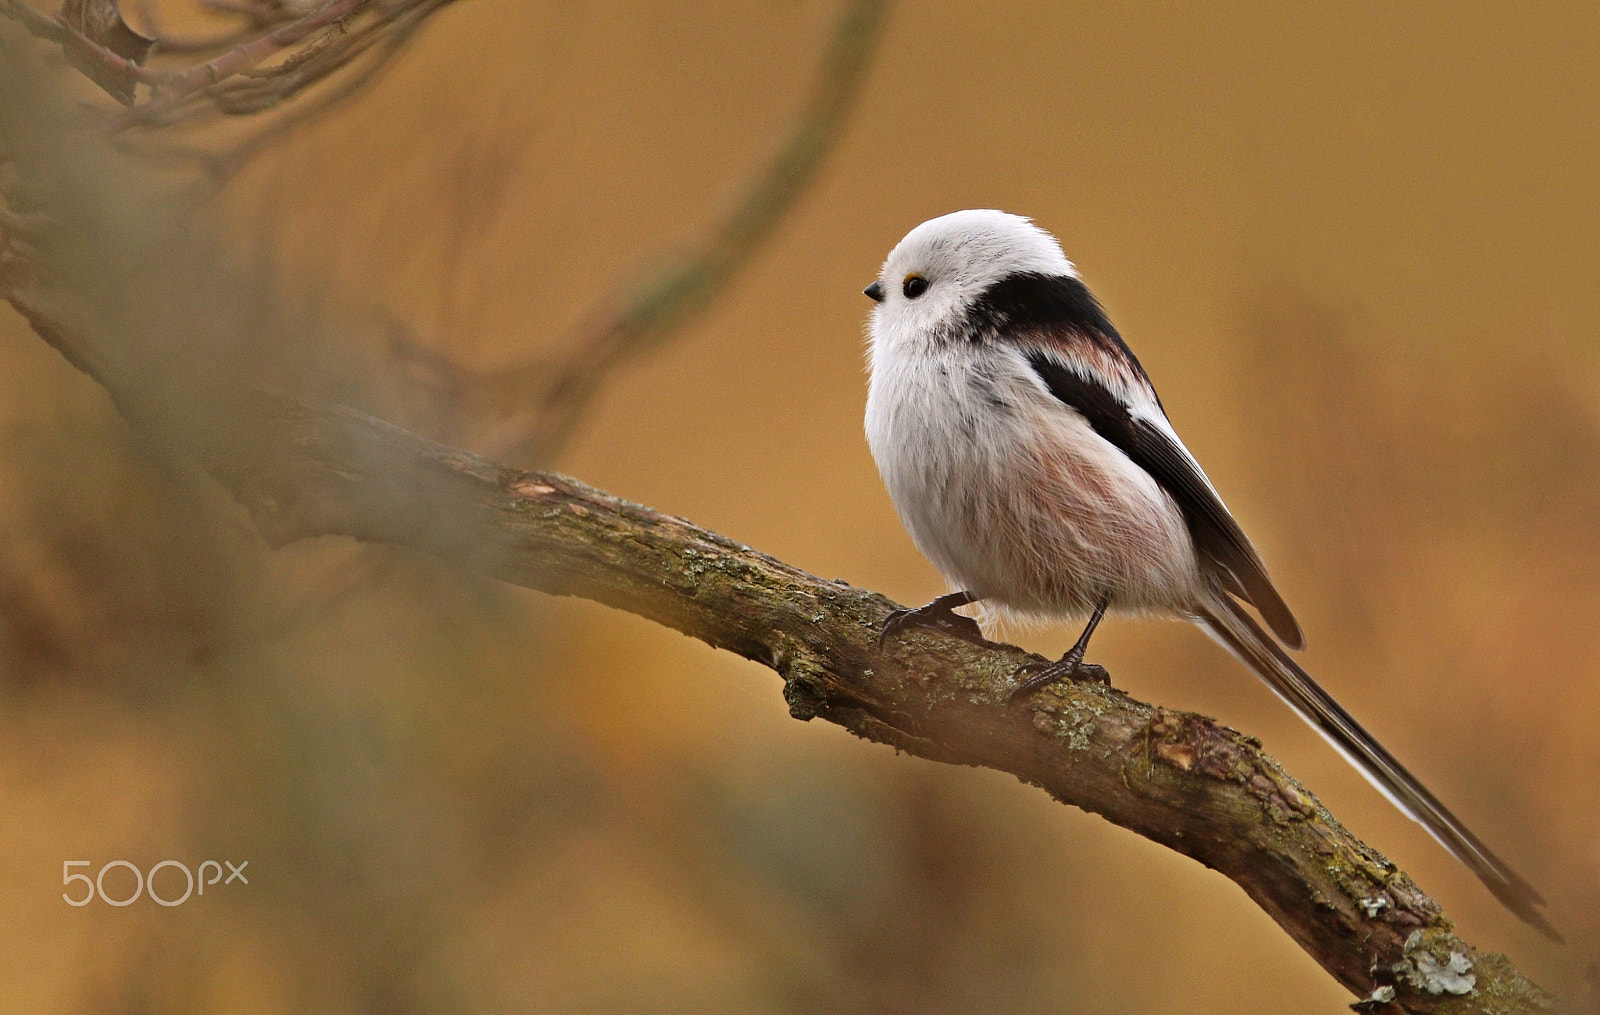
[937, 273]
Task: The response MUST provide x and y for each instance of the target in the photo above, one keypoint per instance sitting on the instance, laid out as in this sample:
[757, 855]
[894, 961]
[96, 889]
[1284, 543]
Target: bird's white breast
[1011, 494]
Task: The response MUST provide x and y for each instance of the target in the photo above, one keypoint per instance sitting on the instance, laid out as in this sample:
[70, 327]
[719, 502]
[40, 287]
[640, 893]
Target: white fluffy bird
[1030, 459]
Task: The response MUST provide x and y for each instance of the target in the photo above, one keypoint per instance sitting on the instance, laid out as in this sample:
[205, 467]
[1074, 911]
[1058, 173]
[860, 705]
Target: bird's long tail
[1226, 621]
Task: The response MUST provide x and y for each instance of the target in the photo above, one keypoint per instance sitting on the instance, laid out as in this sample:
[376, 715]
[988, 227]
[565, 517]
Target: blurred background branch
[531, 408]
[534, 407]
[275, 51]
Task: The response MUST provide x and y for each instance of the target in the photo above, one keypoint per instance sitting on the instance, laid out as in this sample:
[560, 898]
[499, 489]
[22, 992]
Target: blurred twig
[547, 399]
[664, 302]
[174, 93]
[383, 41]
[280, 50]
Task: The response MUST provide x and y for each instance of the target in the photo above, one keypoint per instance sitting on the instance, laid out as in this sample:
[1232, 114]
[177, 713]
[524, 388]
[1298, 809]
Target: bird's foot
[1069, 667]
[936, 614]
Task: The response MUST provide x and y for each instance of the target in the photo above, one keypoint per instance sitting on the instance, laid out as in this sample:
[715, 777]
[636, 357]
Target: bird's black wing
[1217, 537]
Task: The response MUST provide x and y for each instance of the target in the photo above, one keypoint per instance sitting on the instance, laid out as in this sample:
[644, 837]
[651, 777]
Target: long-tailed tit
[1031, 461]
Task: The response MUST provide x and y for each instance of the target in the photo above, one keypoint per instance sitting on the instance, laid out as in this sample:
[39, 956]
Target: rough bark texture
[1177, 778]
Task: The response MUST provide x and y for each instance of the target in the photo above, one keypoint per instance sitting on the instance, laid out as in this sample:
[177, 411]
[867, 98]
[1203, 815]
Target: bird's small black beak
[874, 292]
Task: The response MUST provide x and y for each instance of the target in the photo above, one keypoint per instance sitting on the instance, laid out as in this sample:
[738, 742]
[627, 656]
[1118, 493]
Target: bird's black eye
[914, 286]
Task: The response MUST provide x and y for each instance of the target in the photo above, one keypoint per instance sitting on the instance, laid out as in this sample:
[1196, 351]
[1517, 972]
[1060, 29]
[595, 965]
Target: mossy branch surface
[1177, 778]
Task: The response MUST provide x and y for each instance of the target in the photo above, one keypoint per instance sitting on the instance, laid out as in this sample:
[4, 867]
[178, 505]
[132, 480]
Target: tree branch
[1176, 778]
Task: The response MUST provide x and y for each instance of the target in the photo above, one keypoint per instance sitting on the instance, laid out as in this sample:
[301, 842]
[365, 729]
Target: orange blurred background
[1354, 248]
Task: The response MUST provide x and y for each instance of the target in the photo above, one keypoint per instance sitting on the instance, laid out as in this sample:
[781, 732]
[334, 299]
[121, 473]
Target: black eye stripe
[914, 286]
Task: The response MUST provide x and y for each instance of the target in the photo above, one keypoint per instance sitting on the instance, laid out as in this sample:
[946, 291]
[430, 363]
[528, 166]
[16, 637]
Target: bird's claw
[929, 616]
[1069, 667]
[1094, 672]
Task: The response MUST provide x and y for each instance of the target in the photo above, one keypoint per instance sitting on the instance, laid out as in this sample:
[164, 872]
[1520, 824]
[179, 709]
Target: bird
[1031, 461]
